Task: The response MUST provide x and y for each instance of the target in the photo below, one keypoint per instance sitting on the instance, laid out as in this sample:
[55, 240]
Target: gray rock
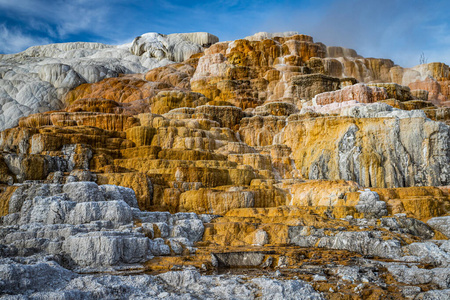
[185, 216]
[118, 212]
[81, 222]
[445, 246]
[60, 208]
[413, 275]
[83, 175]
[18, 165]
[304, 236]
[207, 218]
[70, 179]
[283, 262]
[115, 287]
[434, 295]
[83, 230]
[78, 157]
[115, 192]
[176, 244]
[47, 210]
[239, 259]
[429, 253]
[365, 242]
[369, 203]
[191, 229]
[29, 191]
[24, 279]
[380, 110]
[158, 247]
[441, 277]
[56, 177]
[10, 219]
[96, 249]
[409, 226]
[409, 292]
[45, 238]
[190, 282]
[349, 154]
[289, 289]
[148, 230]
[319, 278]
[356, 274]
[152, 217]
[441, 224]
[163, 228]
[47, 280]
[83, 191]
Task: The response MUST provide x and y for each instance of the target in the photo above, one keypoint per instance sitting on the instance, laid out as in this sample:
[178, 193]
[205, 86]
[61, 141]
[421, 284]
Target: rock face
[370, 204]
[171, 285]
[92, 226]
[175, 47]
[372, 145]
[358, 92]
[37, 79]
[441, 223]
[432, 77]
[292, 169]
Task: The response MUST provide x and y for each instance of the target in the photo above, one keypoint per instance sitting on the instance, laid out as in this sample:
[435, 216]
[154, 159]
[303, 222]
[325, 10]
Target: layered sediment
[271, 166]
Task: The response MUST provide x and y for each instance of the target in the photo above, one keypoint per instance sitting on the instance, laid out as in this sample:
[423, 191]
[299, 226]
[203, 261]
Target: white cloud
[394, 29]
[61, 18]
[13, 40]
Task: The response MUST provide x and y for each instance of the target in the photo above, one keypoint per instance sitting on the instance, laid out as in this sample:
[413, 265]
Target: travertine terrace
[181, 167]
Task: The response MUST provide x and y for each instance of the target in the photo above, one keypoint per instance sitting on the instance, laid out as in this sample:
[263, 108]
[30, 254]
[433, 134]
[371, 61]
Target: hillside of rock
[36, 80]
[272, 166]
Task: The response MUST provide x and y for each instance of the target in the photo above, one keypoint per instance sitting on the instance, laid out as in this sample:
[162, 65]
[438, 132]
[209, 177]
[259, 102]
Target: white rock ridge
[37, 79]
[92, 226]
[175, 47]
[48, 280]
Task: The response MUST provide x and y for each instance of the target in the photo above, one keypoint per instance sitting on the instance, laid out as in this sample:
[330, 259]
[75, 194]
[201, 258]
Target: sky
[400, 30]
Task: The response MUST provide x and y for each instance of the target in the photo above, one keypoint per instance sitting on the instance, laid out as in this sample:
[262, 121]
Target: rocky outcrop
[441, 224]
[92, 226]
[261, 159]
[358, 92]
[37, 79]
[171, 285]
[321, 192]
[375, 152]
[369, 203]
[176, 47]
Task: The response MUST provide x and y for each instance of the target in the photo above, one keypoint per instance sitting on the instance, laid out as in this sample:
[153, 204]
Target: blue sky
[397, 29]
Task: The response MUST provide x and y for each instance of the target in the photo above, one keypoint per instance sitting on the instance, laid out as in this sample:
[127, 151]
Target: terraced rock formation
[37, 79]
[267, 167]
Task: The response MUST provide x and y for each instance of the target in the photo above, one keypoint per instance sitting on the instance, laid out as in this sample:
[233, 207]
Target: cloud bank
[13, 39]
